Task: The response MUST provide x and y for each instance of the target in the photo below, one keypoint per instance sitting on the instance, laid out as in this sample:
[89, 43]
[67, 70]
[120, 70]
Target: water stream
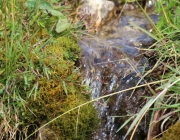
[113, 61]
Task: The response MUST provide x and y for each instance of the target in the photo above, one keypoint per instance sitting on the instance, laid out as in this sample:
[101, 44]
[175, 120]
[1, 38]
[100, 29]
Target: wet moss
[173, 133]
[61, 91]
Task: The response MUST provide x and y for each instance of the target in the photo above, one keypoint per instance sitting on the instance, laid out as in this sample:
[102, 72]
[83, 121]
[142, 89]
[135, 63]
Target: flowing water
[113, 61]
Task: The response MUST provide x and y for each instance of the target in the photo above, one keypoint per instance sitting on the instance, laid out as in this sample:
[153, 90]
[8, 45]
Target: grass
[165, 101]
[28, 31]
[20, 45]
[38, 52]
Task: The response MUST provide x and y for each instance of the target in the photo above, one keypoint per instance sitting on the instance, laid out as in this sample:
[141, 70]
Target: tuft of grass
[19, 46]
[164, 102]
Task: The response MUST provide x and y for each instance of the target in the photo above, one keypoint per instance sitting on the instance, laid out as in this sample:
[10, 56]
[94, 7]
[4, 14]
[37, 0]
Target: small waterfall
[113, 62]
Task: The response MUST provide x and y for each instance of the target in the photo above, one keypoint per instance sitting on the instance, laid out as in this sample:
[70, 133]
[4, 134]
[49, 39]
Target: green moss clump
[173, 133]
[62, 91]
[78, 124]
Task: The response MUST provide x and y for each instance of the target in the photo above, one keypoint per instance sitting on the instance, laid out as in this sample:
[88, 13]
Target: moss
[87, 119]
[173, 133]
[38, 77]
[62, 91]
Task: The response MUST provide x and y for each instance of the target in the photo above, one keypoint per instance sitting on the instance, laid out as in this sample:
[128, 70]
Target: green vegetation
[165, 72]
[40, 85]
[39, 79]
[166, 108]
[172, 133]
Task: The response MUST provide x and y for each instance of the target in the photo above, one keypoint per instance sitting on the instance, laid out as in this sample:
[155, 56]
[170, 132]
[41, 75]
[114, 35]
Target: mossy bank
[39, 76]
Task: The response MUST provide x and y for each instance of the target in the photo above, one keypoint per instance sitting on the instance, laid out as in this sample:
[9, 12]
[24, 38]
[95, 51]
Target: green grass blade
[147, 106]
[145, 31]
[64, 87]
[125, 123]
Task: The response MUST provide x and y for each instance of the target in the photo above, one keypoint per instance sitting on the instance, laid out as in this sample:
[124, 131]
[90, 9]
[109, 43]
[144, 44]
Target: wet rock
[113, 63]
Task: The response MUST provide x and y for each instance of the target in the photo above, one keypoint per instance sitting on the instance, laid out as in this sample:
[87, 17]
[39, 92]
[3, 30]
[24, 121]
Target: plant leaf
[124, 124]
[65, 89]
[57, 13]
[31, 3]
[45, 5]
[62, 25]
[140, 114]
[145, 31]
